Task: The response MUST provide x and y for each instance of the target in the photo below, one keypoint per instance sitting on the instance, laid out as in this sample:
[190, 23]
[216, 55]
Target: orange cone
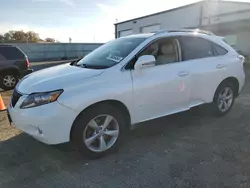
[2, 106]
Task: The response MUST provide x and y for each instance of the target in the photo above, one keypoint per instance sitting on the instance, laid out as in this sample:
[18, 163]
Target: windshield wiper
[93, 66]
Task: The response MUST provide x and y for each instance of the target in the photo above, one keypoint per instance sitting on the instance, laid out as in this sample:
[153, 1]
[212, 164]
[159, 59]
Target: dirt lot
[184, 150]
[6, 131]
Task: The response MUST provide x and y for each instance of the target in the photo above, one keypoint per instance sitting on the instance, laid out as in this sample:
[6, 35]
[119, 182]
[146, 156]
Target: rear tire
[8, 80]
[223, 99]
[92, 136]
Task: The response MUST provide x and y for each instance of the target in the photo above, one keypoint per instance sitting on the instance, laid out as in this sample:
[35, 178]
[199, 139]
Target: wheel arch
[232, 80]
[115, 103]
[10, 69]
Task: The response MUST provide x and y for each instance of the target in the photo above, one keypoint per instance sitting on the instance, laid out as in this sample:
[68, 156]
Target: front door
[164, 88]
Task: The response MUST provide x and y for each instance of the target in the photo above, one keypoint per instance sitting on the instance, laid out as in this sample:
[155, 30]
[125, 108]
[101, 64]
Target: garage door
[231, 39]
[125, 33]
[150, 28]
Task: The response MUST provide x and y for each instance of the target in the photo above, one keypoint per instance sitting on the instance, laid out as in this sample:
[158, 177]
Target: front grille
[15, 97]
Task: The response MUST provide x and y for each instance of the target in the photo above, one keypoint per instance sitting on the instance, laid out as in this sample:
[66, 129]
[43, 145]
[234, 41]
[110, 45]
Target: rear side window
[195, 48]
[10, 53]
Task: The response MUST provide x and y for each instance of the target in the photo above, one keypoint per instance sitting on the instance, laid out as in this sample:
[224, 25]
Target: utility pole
[201, 14]
[116, 34]
[205, 11]
[209, 4]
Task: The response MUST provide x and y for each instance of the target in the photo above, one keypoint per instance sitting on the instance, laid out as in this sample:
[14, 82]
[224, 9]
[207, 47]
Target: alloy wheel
[225, 99]
[101, 133]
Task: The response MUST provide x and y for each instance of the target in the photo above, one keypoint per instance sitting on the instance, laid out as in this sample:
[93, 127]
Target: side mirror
[145, 61]
[72, 62]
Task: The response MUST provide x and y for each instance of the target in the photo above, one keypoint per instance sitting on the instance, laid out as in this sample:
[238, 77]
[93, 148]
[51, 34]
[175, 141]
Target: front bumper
[25, 72]
[50, 124]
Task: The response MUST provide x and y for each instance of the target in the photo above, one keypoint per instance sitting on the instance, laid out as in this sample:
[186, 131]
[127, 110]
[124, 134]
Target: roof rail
[185, 30]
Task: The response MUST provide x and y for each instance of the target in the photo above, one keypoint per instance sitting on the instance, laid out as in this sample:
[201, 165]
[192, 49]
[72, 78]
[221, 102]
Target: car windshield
[110, 53]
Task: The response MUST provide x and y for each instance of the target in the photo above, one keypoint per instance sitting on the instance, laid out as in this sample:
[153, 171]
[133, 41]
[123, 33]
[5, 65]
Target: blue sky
[82, 20]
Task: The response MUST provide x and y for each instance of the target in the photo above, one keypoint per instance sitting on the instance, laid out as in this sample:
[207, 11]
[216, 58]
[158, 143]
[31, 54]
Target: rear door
[206, 63]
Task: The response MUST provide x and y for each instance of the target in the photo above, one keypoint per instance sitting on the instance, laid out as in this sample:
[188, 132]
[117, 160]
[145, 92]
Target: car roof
[196, 31]
[219, 40]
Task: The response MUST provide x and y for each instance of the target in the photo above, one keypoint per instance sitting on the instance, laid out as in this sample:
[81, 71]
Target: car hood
[58, 77]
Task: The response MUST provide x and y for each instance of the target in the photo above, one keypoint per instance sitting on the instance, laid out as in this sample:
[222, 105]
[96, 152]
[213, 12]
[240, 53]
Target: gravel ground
[183, 150]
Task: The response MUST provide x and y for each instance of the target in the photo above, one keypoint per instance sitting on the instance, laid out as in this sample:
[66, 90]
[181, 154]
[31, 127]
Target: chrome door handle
[220, 66]
[183, 73]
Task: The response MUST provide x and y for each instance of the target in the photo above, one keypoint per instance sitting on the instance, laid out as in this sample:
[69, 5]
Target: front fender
[80, 97]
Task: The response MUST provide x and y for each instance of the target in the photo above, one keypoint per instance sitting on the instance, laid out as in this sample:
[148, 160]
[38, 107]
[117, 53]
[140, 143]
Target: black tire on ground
[4, 75]
[77, 132]
[215, 105]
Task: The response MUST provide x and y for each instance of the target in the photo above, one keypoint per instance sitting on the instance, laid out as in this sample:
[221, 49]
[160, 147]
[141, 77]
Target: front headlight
[38, 99]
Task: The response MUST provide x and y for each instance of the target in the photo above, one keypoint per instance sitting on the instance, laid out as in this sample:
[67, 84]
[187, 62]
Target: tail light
[27, 62]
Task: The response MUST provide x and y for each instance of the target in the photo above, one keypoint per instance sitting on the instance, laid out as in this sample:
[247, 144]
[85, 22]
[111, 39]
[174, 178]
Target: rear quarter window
[218, 50]
[10, 53]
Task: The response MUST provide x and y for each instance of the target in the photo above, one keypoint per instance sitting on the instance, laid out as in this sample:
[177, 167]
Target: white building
[224, 18]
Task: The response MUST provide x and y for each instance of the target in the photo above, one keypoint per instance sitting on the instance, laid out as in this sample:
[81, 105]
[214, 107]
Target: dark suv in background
[14, 65]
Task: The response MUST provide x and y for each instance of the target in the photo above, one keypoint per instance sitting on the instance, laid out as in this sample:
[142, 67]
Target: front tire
[224, 99]
[98, 130]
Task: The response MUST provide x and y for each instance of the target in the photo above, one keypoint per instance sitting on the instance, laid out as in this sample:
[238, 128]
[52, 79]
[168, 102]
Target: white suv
[91, 102]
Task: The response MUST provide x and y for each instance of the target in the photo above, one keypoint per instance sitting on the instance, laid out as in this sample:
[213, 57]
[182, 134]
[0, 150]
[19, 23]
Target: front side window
[195, 48]
[164, 50]
[110, 53]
